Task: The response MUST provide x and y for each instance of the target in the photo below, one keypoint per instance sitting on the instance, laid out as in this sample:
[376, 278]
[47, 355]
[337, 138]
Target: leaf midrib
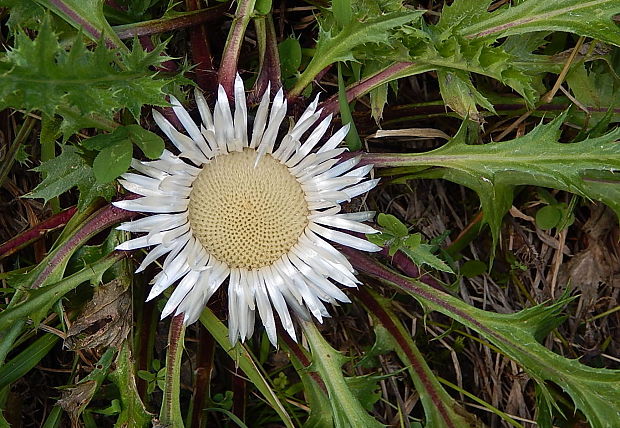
[472, 31]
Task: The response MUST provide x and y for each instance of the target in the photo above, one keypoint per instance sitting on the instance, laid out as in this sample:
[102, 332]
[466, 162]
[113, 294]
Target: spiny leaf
[66, 171]
[23, 13]
[421, 255]
[594, 391]
[87, 16]
[596, 88]
[460, 94]
[346, 408]
[337, 45]
[537, 158]
[461, 57]
[78, 83]
[591, 18]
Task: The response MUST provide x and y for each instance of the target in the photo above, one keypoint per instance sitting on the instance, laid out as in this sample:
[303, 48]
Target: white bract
[257, 210]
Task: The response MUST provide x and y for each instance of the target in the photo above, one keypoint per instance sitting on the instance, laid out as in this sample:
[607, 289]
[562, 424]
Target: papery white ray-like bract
[258, 210]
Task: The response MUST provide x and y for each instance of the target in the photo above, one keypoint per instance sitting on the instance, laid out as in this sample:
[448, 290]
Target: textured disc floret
[252, 210]
[246, 216]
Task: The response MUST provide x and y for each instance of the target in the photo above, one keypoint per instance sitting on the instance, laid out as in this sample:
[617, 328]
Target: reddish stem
[82, 22]
[228, 67]
[270, 72]
[203, 372]
[301, 356]
[156, 26]
[101, 220]
[240, 394]
[364, 86]
[36, 232]
[404, 263]
[204, 71]
[418, 365]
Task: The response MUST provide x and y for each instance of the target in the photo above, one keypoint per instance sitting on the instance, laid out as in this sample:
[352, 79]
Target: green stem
[53, 292]
[19, 139]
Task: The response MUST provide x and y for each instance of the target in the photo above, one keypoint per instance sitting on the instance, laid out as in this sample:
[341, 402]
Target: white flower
[250, 210]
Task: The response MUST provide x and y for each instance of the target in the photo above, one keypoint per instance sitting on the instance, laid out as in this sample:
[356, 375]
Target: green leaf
[422, 255]
[289, 51]
[378, 100]
[40, 300]
[393, 225]
[112, 161]
[352, 138]
[591, 18]
[548, 217]
[23, 13]
[594, 391]
[26, 360]
[460, 94]
[596, 88]
[342, 12]
[472, 268]
[361, 30]
[150, 143]
[318, 402]
[66, 171]
[263, 7]
[366, 389]
[537, 158]
[346, 408]
[87, 16]
[458, 56]
[85, 87]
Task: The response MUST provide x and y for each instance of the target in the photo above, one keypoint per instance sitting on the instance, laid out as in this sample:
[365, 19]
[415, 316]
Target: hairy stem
[228, 68]
[36, 232]
[162, 25]
[170, 413]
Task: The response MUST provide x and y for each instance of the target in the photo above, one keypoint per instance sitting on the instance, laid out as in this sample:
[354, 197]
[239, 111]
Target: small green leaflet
[396, 236]
[289, 51]
[597, 89]
[66, 171]
[116, 149]
[460, 94]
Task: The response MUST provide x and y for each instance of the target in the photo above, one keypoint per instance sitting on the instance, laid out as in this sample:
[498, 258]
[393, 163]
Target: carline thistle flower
[257, 210]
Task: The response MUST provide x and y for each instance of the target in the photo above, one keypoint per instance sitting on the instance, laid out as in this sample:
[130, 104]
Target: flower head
[257, 210]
